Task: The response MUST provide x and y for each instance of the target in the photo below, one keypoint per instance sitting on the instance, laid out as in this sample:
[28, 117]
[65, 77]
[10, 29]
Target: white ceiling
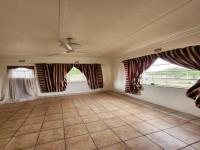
[102, 27]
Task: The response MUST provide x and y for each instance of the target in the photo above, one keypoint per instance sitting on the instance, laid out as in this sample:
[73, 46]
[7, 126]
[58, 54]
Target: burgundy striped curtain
[52, 76]
[93, 73]
[194, 93]
[44, 74]
[133, 70]
[59, 72]
[188, 57]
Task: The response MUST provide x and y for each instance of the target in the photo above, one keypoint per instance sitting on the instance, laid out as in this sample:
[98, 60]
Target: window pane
[166, 74]
[21, 73]
[74, 75]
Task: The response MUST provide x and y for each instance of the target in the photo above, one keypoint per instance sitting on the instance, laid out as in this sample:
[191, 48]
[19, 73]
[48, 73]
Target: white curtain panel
[20, 85]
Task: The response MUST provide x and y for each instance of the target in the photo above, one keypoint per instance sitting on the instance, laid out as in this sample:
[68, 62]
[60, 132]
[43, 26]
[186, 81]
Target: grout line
[190, 145]
[112, 130]
[63, 125]
[86, 128]
[46, 109]
[18, 127]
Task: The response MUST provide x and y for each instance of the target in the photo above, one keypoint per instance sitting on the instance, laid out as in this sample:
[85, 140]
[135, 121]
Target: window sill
[165, 86]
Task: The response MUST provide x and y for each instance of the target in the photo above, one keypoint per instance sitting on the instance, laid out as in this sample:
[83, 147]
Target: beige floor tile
[144, 128]
[142, 143]
[50, 135]
[83, 108]
[196, 121]
[183, 134]
[96, 126]
[161, 124]
[7, 132]
[22, 142]
[36, 114]
[57, 145]
[99, 110]
[84, 143]
[174, 120]
[106, 115]
[70, 114]
[27, 129]
[196, 145]
[53, 117]
[32, 148]
[166, 141]
[104, 138]
[75, 130]
[130, 119]
[3, 143]
[52, 124]
[90, 118]
[68, 109]
[34, 120]
[114, 122]
[118, 146]
[192, 128]
[13, 123]
[52, 111]
[145, 116]
[120, 113]
[188, 148]
[141, 109]
[72, 121]
[126, 132]
[157, 114]
[86, 112]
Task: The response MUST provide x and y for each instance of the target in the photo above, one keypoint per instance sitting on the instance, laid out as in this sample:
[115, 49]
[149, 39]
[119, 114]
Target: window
[163, 73]
[21, 73]
[74, 75]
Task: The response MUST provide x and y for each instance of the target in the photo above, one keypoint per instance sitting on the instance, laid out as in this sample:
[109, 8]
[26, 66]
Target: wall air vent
[22, 60]
[157, 50]
[76, 62]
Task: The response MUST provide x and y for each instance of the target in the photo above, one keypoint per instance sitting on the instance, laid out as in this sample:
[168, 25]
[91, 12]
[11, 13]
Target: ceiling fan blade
[69, 51]
[68, 46]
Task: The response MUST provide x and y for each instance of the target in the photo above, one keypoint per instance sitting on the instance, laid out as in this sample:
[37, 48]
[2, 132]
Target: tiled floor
[103, 121]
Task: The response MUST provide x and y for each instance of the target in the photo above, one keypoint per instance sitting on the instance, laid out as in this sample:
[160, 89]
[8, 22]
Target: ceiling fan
[69, 45]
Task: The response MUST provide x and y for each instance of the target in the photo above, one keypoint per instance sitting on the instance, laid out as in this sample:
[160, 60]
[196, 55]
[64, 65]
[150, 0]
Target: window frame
[68, 81]
[165, 86]
[21, 67]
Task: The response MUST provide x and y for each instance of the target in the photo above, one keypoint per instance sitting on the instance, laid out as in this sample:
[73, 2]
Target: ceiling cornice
[180, 35]
[153, 21]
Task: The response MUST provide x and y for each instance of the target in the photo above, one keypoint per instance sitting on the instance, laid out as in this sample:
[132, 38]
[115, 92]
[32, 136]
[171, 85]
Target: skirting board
[149, 104]
[70, 94]
[56, 95]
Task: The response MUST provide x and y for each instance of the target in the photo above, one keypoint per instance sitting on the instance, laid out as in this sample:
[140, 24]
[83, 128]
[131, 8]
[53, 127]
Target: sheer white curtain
[20, 85]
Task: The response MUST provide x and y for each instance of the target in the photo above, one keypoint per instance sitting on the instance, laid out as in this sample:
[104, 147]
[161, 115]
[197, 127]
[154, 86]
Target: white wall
[72, 88]
[169, 97]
